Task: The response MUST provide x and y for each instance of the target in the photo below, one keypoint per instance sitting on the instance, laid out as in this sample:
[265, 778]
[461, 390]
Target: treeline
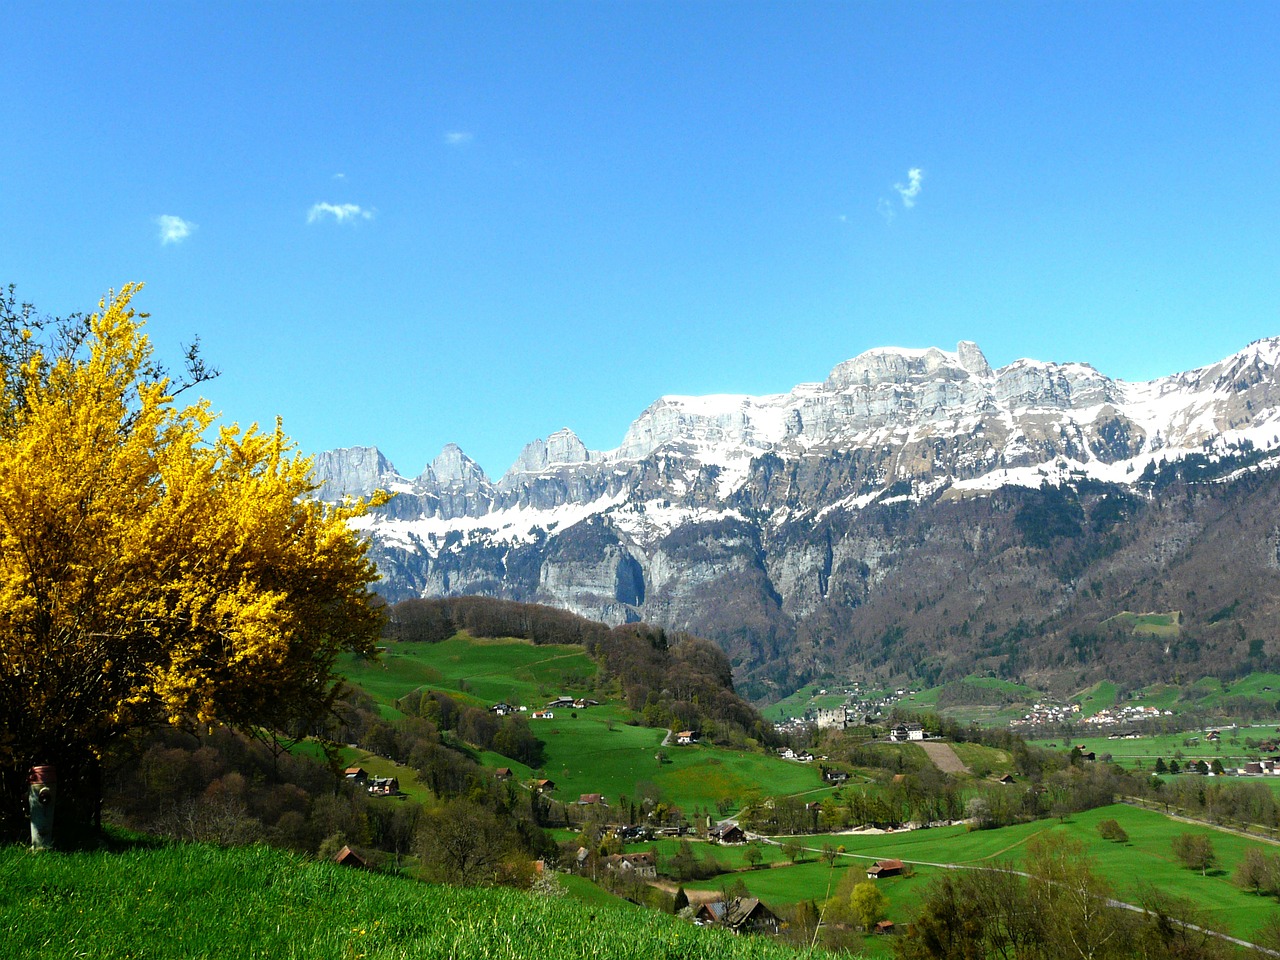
[226, 788]
[435, 619]
[678, 681]
[223, 787]
[509, 735]
[1241, 803]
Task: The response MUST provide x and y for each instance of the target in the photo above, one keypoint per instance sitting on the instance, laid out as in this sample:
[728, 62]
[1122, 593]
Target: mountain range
[918, 513]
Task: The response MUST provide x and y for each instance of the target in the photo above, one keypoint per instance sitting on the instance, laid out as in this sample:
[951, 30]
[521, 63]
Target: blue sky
[414, 223]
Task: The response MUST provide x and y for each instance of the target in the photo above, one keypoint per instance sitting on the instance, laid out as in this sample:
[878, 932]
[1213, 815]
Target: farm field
[1142, 752]
[183, 901]
[1146, 859]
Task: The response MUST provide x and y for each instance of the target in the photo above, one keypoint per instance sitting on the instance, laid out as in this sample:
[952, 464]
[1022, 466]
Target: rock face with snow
[788, 524]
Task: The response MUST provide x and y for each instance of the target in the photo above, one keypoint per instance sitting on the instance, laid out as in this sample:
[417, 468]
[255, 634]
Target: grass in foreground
[189, 901]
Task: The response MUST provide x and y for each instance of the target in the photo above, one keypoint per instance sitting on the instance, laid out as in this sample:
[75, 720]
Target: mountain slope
[917, 512]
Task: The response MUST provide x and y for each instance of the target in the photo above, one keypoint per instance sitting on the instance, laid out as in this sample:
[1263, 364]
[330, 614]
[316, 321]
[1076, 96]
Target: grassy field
[1096, 698]
[474, 670]
[1142, 752]
[595, 753]
[591, 750]
[805, 699]
[1149, 624]
[187, 901]
[1147, 859]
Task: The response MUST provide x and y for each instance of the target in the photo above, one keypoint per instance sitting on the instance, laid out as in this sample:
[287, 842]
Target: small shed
[349, 858]
[884, 868]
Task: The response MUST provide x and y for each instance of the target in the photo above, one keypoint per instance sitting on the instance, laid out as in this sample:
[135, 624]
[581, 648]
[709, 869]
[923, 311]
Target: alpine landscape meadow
[640, 480]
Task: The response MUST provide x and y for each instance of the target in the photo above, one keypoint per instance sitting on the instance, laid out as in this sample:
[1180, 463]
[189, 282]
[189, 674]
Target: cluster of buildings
[1126, 714]
[1047, 714]
[857, 710]
[375, 786]
[547, 713]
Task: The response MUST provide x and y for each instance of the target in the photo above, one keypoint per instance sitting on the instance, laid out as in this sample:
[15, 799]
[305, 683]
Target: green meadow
[474, 670]
[1148, 624]
[1142, 752]
[1146, 859]
[589, 750]
[192, 901]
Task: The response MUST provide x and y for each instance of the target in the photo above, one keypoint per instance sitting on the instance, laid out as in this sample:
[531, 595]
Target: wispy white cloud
[339, 176]
[912, 190]
[341, 212]
[458, 138]
[885, 208]
[174, 229]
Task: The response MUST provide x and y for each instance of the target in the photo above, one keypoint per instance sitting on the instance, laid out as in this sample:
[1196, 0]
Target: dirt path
[943, 756]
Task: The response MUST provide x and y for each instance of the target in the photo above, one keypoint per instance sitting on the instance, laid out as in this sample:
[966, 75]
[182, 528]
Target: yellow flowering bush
[155, 566]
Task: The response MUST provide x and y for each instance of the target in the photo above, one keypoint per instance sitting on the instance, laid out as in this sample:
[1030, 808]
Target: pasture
[1145, 860]
[1141, 753]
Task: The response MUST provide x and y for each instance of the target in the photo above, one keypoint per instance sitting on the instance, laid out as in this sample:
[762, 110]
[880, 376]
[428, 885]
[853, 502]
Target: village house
[686, 737]
[741, 915]
[543, 786]
[726, 831]
[907, 731]
[503, 773]
[384, 787]
[884, 868]
[632, 865]
[592, 799]
[502, 709]
[834, 776]
[356, 774]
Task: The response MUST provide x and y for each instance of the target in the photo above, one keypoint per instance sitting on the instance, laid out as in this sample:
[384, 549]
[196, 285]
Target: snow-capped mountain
[774, 500]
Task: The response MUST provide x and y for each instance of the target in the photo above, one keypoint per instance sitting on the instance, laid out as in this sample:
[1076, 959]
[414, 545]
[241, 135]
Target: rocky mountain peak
[561, 448]
[454, 468]
[351, 471]
[973, 359]
[902, 365]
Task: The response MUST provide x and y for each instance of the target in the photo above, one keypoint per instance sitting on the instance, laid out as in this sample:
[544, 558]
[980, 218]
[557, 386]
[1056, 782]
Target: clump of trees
[1060, 911]
[1110, 829]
